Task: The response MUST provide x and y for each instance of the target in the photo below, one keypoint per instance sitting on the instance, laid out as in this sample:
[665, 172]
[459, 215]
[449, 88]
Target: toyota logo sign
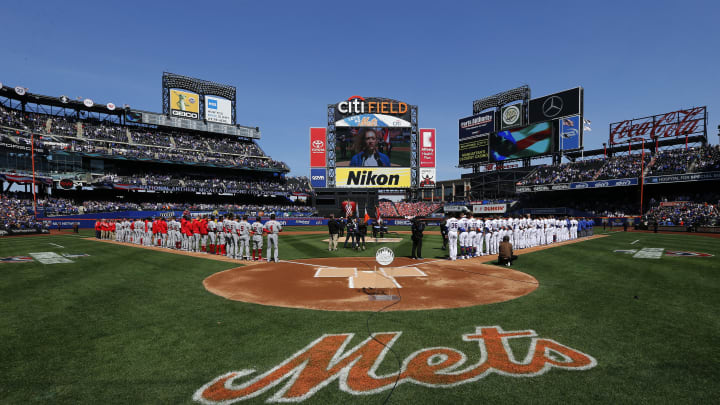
[318, 144]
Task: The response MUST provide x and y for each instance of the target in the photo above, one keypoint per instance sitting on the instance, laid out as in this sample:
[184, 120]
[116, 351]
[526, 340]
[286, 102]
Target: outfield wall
[88, 220]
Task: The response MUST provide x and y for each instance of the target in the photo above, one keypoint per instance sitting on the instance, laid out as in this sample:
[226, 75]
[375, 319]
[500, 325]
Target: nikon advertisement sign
[372, 177]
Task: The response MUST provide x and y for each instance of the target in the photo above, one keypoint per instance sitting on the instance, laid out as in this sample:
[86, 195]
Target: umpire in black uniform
[417, 228]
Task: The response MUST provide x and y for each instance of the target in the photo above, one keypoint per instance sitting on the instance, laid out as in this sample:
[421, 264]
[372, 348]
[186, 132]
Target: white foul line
[55, 244]
[635, 242]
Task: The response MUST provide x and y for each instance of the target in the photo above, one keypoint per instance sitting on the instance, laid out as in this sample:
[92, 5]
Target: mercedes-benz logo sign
[318, 144]
[552, 106]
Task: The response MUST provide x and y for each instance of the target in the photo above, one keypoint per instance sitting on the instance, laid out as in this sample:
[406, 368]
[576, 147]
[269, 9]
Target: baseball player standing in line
[220, 248]
[257, 238]
[272, 227]
[244, 232]
[463, 226]
[453, 227]
[203, 233]
[212, 228]
[472, 225]
[230, 241]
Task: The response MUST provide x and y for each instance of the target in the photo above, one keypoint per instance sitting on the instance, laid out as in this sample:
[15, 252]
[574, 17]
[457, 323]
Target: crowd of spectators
[387, 209]
[17, 212]
[250, 209]
[685, 213]
[92, 136]
[407, 209]
[245, 185]
[566, 173]
[709, 160]
[665, 162]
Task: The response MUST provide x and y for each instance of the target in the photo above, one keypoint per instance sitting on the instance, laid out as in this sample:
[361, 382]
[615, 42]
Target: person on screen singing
[369, 155]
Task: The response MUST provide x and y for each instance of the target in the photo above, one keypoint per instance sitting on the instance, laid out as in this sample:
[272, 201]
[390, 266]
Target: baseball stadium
[187, 254]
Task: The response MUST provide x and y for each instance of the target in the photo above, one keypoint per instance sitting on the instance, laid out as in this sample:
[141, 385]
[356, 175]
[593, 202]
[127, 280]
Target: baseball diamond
[371, 205]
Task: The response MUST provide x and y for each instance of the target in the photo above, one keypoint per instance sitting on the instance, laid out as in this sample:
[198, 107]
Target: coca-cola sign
[668, 125]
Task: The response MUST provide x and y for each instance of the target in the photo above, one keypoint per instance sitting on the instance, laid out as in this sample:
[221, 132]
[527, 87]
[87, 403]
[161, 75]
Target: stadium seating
[407, 209]
[111, 139]
[684, 214]
[673, 161]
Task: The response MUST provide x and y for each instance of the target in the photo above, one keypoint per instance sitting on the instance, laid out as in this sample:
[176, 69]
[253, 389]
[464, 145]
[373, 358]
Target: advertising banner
[318, 147]
[427, 147]
[218, 109]
[668, 125]
[554, 106]
[490, 209]
[681, 178]
[579, 185]
[534, 140]
[184, 104]
[511, 116]
[475, 125]
[427, 177]
[570, 133]
[368, 177]
[476, 150]
[318, 177]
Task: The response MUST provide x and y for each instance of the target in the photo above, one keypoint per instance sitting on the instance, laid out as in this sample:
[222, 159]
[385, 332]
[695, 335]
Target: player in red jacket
[195, 237]
[204, 232]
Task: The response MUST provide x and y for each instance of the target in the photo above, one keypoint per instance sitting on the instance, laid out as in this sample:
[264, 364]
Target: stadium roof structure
[172, 80]
[500, 99]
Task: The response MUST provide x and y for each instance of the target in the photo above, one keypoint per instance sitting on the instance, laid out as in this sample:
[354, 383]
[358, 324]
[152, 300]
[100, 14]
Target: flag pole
[642, 176]
[32, 154]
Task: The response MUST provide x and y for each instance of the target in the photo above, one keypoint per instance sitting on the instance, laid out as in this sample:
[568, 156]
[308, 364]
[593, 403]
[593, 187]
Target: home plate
[336, 272]
[403, 272]
[371, 279]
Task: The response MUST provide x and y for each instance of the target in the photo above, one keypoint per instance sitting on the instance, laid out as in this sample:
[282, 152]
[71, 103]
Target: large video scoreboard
[533, 128]
[372, 143]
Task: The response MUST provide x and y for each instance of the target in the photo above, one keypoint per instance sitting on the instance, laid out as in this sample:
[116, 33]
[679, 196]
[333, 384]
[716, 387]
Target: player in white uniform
[463, 225]
[479, 236]
[272, 227]
[244, 233]
[573, 228]
[472, 232]
[487, 231]
[453, 227]
[257, 230]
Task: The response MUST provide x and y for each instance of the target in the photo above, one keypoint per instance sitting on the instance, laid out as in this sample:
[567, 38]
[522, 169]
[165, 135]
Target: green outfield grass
[129, 325]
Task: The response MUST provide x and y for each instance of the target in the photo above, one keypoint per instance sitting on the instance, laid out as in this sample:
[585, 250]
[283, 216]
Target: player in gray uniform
[272, 227]
[257, 238]
[244, 232]
[228, 230]
[212, 228]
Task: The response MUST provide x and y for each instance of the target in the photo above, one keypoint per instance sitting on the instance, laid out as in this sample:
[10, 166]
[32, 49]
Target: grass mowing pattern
[130, 325]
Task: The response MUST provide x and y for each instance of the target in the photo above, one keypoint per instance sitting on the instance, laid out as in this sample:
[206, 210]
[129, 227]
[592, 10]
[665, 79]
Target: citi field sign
[356, 105]
[328, 361]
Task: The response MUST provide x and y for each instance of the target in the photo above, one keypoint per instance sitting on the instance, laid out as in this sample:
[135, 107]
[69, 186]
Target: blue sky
[290, 59]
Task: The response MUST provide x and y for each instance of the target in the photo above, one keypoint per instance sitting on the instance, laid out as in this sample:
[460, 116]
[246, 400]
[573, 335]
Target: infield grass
[129, 325]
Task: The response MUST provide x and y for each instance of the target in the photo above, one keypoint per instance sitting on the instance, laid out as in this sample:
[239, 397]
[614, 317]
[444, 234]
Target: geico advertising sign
[372, 177]
[184, 104]
[218, 110]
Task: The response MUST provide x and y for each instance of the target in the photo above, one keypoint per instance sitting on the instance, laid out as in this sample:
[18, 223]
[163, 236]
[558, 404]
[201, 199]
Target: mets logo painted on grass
[326, 360]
